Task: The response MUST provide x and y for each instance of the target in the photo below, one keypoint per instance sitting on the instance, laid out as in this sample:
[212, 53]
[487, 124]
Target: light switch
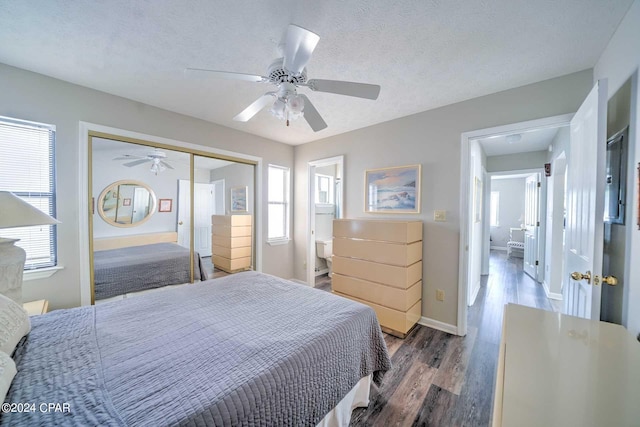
[440, 216]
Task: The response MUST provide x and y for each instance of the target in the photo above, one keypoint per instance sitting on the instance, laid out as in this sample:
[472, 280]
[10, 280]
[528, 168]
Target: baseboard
[551, 295]
[498, 248]
[436, 324]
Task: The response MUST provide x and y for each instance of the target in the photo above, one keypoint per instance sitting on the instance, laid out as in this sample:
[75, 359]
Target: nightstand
[35, 308]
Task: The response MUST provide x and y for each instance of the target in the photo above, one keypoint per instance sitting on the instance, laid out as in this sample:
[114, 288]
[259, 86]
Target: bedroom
[430, 138]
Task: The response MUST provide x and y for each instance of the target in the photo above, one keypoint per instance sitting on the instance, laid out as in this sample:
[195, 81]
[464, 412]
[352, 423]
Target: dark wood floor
[440, 379]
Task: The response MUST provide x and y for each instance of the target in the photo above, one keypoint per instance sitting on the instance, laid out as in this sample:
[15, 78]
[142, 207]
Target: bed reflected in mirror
[127, 203]
[145, 236]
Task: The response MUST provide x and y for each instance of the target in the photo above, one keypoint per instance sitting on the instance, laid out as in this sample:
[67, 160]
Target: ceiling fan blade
[298, 47]
[198, 72]
[166, 164]
[255, 107]
[136, 163]
[312, 116]
[360, 90]
[128, 157]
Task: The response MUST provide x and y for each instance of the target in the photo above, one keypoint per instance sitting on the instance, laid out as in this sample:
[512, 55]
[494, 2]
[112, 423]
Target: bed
[135, 263]
[246, 349]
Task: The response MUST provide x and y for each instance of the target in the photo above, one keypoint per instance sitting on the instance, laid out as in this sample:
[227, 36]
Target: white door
[532, 225]
[218, 196]
[585, 206]
[204, 207]
[184, 216]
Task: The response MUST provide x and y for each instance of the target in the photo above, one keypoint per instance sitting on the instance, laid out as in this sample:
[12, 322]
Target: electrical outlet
[439, 294]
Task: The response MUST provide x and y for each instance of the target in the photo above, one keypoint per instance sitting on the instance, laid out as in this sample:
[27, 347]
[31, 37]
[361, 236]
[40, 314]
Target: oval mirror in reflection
[127, 203]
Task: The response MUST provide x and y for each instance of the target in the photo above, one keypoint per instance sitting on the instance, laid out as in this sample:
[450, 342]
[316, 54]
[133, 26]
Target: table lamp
[15, 212]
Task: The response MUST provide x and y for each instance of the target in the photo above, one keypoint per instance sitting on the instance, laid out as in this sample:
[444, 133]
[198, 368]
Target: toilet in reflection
[324, 250]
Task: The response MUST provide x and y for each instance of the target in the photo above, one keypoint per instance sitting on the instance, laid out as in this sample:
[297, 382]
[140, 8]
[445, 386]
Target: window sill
[40, 273]
[277, 242]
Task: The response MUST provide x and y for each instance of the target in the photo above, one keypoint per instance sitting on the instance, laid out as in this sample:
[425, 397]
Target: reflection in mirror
[223, 235]
[139, 192]
[146, 193]
[126, 203]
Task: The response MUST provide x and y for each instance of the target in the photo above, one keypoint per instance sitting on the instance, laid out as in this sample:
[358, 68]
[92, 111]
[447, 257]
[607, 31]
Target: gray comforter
[246, 349]
[136, 268]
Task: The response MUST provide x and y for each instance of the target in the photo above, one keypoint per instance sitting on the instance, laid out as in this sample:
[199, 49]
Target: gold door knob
[579, 276]
[610, 280]
[180, 223]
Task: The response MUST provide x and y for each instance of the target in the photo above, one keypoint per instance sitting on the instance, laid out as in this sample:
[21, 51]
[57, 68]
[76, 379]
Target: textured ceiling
[537, 140]
[424, 54]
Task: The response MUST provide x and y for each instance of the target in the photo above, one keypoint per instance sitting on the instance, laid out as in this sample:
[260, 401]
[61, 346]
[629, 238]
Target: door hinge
[539, 185]
[537, 263]
[538, 224]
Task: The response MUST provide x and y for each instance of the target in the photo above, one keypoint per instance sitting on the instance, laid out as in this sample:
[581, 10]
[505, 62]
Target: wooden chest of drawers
[379, 263]
[231, 242]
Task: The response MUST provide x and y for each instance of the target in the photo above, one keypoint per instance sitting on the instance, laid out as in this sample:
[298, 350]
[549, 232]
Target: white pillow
[7, 372]
[14, 324]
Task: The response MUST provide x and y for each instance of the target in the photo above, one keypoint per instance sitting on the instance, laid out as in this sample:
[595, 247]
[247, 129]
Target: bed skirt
[358, 397]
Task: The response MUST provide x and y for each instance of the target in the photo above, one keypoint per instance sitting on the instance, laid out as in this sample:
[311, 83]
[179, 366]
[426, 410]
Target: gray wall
[431, 138]
[237, 175]
[519, 161]
[511, 208]
[31, 96]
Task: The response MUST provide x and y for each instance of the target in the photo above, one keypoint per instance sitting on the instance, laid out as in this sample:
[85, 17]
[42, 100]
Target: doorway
[500, 151]
[326, 203]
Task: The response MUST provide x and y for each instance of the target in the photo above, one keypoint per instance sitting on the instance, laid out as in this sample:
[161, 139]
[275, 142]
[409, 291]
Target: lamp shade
[15, 212]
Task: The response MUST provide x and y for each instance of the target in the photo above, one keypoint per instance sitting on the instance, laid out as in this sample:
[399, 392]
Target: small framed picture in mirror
[165, 205]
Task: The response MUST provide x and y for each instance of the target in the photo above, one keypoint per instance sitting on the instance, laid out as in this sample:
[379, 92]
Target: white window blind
[27, 170]
[278, 203]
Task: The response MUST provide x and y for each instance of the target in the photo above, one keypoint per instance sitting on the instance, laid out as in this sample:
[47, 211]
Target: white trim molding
[550, 295]
[499, 248]
[436, 324]
[40, 273]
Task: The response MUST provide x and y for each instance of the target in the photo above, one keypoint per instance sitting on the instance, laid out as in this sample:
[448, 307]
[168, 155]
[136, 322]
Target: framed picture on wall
[165, 205]
[392, 190]
[239, 197]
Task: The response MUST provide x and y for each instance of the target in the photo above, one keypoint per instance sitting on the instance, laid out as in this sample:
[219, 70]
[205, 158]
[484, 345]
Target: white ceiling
[536, 140]
[424, 54]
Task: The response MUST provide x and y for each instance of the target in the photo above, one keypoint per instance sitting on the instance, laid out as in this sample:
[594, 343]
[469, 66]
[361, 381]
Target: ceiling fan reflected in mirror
[157, 159]
[288, 74]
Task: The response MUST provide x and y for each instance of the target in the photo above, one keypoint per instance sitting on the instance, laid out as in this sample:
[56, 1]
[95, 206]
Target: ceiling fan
[156, 157]
[288, 74]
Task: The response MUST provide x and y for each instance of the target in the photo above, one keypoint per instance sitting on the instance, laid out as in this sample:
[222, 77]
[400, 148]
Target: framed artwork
[126, 202]
[165, 205]
[392, 190]
[477, 199]
[239, 199]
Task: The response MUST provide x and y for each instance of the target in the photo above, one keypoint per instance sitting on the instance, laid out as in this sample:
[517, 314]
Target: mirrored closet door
[159, 216]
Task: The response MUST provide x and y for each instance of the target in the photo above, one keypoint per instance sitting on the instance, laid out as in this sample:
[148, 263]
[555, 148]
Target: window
[27, 170]
[324, 189]
[278, 204]
[495, 208]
